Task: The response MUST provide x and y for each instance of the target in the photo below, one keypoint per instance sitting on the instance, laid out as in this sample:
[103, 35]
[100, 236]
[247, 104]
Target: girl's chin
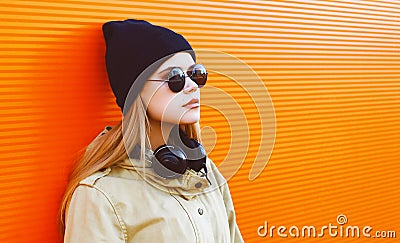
[189, 118]
[188, 121]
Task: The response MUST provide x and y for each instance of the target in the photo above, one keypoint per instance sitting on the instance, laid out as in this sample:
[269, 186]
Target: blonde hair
[109, 149]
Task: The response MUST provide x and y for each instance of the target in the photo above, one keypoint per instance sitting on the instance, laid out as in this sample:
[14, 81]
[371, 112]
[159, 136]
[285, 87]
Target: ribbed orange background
[331, 69]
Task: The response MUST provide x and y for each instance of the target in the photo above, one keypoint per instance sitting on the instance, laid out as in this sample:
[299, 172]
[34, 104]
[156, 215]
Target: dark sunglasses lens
[176, 80]
[199, 75]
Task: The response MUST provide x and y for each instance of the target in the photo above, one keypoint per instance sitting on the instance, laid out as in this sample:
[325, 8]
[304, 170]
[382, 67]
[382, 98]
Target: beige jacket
[130, 203]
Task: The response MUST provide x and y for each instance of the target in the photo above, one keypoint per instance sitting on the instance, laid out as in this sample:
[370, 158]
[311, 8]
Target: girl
[148, 179]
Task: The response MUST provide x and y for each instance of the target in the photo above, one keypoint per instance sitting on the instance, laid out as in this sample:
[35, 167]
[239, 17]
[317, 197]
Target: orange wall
[332, 74]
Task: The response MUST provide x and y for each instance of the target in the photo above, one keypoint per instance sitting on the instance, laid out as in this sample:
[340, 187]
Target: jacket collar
[187, 185]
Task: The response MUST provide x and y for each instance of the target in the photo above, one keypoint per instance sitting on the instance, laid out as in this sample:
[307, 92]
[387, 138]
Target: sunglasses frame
[189, 73]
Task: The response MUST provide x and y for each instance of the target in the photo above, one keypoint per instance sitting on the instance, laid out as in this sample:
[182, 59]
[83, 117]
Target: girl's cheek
[153, 111]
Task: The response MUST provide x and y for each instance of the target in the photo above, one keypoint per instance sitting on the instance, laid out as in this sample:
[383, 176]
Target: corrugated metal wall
[331, 69]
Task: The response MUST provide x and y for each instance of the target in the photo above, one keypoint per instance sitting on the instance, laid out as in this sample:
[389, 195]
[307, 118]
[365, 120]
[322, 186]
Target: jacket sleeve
[236, 236]
[91, 218]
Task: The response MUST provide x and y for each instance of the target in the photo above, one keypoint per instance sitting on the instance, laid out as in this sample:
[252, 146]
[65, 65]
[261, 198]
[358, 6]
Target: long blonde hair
[109, 149]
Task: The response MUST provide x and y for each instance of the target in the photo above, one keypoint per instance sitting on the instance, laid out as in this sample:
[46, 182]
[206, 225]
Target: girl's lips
[192, 105]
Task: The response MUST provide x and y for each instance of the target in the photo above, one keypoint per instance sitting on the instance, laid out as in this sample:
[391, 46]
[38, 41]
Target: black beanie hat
[131, 46]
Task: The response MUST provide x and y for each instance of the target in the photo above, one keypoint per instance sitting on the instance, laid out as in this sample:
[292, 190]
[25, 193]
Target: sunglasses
[177, 77]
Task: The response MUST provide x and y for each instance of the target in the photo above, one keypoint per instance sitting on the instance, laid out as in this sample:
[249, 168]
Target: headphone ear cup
[202, 151]
[169, 161]
[198, 158]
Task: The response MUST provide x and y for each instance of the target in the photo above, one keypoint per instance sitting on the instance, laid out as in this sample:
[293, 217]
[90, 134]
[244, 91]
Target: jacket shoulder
[91, 180]
[217, 174]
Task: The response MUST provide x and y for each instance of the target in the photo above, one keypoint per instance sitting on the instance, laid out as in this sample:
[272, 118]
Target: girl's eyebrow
[171, 67]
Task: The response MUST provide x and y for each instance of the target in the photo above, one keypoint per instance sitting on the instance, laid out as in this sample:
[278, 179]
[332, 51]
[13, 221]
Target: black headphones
[179, 154]
[170, 161]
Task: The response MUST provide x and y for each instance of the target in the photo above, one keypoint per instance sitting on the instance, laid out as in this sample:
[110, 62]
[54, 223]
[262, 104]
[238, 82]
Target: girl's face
[164, 105]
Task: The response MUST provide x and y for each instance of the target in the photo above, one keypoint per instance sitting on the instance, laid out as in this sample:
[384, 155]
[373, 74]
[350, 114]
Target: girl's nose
[190, 86]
